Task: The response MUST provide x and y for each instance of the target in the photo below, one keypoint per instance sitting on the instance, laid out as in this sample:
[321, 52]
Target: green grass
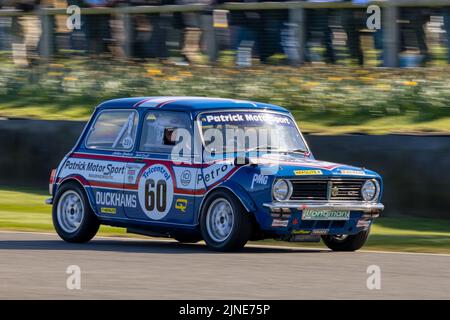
[24, 210]
[324, 99]
[384, 125]
[317, 124]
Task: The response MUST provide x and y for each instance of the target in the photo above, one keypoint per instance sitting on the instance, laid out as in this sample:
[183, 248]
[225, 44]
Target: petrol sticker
[214, 173]
[156, 191]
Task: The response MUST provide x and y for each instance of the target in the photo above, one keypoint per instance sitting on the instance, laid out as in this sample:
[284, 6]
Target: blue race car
[220, 170]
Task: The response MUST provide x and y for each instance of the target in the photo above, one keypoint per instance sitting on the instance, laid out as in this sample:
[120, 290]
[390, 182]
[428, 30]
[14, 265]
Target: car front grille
[309, 190]
[334, 189]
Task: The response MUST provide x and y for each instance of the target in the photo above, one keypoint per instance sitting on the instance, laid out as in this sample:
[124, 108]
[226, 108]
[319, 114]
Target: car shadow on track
[136, 246]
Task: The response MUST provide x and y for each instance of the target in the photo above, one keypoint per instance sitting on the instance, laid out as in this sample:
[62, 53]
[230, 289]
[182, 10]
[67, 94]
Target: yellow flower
[334, 78]
[173, 78]
[231, 71]
[154, 72]
[410, 83]
[383, 87]
[312, 84]
[295, 80]
[70, 79]
[367, 79]
[55, 74]
[185, 74]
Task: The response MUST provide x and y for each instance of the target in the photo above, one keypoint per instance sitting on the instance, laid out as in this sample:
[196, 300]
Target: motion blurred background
[376, 98]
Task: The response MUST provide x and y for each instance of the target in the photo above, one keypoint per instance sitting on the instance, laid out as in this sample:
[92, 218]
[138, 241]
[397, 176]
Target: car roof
[193, 104]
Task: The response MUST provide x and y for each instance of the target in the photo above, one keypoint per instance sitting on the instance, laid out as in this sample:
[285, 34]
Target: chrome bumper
[350, 206]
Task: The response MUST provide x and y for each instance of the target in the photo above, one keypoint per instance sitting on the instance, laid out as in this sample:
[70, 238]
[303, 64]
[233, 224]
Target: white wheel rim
[70, 211]
[220, 220]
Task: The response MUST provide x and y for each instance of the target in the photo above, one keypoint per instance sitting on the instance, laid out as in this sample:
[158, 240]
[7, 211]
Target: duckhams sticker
[156, 191]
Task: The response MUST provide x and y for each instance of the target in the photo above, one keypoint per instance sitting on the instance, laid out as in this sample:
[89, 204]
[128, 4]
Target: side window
[113, 130]
[162, 130]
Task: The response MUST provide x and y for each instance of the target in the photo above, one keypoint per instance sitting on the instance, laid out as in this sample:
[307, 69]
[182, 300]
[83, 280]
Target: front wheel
[346, 242]
[73, 218]
[225, 224]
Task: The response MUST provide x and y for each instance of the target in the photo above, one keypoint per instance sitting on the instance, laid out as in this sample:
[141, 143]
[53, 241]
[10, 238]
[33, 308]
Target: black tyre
[224, 223]
[346, 242]
[73, 218]
[187, 238]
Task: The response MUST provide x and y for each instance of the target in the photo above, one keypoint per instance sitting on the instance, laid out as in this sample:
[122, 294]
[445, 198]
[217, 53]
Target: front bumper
[366, 207]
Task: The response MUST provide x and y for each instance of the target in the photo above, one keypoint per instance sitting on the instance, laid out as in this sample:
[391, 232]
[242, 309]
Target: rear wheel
[224, 222]
[346, 242]
[73, 218]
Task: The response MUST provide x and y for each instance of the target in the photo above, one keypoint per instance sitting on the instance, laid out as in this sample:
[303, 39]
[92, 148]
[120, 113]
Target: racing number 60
[155, 195]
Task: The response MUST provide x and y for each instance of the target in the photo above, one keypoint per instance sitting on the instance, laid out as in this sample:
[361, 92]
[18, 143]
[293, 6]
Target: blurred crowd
[331, 35]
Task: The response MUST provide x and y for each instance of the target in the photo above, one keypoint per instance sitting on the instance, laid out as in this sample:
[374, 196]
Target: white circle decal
[156, 191]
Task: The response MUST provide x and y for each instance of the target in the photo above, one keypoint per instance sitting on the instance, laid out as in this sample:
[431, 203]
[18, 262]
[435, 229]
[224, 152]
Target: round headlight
[282, 190]
[369, 190]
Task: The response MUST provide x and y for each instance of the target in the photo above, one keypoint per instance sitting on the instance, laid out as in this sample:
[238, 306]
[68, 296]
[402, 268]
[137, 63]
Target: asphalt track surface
[33, 266]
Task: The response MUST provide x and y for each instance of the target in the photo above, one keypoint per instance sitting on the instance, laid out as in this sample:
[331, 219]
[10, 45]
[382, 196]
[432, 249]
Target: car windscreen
[237, 131]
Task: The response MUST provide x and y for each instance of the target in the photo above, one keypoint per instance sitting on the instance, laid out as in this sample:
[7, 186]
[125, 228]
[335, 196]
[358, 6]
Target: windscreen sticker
[248, 118]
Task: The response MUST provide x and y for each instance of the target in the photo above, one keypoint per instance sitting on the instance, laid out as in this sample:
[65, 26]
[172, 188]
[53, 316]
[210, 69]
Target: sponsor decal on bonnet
[352, 172]
[307, 172]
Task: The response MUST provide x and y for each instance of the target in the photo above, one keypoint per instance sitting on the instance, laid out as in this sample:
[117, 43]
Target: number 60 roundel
[156, 191]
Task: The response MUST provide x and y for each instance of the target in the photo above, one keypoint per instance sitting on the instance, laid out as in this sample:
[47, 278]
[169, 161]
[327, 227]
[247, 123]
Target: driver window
[163, 130]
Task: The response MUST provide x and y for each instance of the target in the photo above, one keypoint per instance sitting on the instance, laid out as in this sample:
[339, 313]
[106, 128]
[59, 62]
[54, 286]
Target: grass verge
[24, 210]
[324, 99]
